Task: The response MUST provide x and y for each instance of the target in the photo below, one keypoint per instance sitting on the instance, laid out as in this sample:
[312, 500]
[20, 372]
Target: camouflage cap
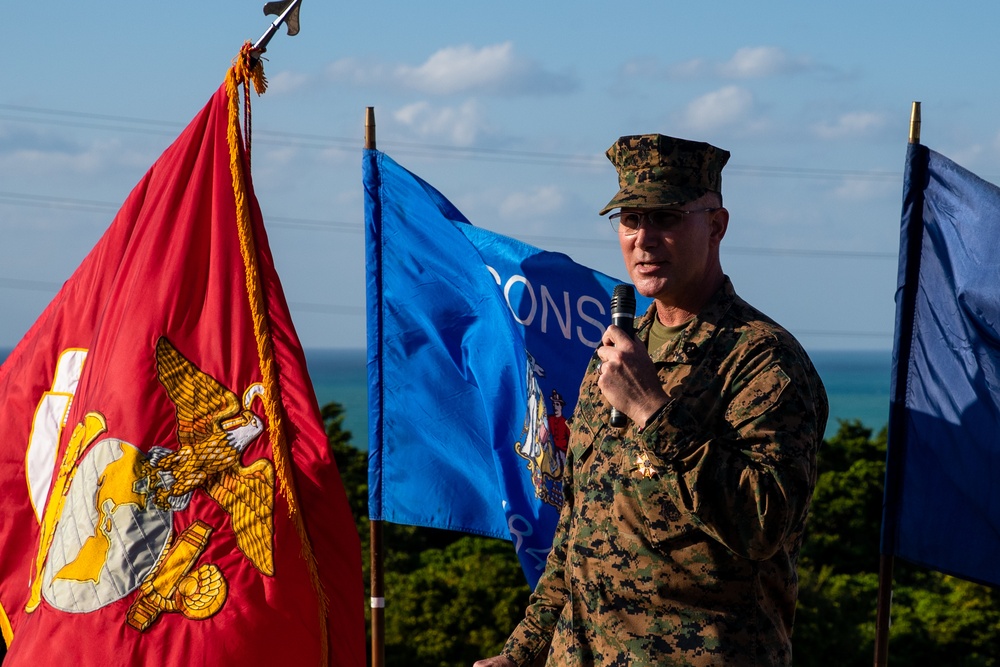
[656, 170]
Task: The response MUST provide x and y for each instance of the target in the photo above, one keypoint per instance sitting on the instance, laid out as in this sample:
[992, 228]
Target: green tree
[936, 619]
[456, 606]
[451, 598]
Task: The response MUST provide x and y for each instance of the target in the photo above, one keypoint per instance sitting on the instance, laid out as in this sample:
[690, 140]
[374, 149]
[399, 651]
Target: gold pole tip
[915, 123]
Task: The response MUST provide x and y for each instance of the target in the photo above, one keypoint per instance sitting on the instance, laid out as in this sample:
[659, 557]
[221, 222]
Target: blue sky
[507, 108]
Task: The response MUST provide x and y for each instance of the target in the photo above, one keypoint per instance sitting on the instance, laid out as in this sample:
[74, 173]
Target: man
[679, 537]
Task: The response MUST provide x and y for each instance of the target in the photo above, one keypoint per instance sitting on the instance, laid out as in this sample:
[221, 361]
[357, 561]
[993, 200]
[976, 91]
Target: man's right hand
[495, 661]
[628, 377]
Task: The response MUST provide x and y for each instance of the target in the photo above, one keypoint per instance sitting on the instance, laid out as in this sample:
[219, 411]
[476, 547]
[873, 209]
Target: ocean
[857, 383]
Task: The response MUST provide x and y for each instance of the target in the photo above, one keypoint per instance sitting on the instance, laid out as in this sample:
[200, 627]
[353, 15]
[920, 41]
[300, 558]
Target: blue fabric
[942, 503]
[469, 334]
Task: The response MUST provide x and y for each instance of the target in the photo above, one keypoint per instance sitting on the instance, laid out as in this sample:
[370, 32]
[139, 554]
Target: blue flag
[477, 344]
[942, 504]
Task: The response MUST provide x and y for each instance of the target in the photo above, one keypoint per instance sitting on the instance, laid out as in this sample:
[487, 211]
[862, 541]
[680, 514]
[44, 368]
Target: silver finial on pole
[288, 13]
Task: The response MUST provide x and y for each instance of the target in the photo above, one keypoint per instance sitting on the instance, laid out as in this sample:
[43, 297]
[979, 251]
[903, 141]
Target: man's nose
[645, 235]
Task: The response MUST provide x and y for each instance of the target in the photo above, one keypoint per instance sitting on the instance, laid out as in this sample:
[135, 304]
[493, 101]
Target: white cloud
[460, 125]
[358, 72]
[462, 68]
[641, 68]
[287, 82]
[974, 156]
[719, 108]
[755, 62]
[689, 69]
[749, 62]
[56, 159]
[853, 124]
[853, 189]
[540, 201]
[494, 69]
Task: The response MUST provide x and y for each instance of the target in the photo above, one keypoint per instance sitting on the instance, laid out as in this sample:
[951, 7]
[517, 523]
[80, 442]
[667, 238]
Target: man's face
[674, 262]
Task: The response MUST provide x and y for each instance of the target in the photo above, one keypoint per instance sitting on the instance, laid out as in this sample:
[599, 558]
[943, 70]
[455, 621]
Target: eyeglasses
[660, 219]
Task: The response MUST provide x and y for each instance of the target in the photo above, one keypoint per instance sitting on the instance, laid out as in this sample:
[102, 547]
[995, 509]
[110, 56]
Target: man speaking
[680, 533]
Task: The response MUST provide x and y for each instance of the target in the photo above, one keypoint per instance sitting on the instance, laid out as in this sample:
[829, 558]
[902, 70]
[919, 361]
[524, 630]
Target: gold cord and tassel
[248, 69]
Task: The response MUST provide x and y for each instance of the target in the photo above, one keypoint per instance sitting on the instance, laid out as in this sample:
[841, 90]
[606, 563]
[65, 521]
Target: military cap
[655, 170]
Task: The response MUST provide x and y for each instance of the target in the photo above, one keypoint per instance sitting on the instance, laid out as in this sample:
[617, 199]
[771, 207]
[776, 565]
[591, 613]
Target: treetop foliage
[452, 599]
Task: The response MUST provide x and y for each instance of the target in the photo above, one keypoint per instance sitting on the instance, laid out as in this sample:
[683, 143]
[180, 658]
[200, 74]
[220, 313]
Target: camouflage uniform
[678, 542]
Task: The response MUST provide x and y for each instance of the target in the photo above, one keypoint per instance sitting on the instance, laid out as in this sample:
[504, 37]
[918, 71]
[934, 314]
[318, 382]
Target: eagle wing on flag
[202, 402]
[248, 496]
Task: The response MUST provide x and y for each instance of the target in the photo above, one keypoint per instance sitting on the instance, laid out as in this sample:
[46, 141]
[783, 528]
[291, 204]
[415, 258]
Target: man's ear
[719, 223]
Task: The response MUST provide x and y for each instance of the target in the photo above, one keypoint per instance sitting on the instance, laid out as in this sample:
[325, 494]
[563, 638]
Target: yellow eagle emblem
[213, 430]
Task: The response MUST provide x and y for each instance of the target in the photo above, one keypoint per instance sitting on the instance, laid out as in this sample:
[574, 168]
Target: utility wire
[39, 115]
[18, 199]
[114, 123]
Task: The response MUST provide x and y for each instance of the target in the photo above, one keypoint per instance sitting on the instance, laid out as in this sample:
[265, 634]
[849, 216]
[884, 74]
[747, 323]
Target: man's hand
[628, 376]
[495, 661]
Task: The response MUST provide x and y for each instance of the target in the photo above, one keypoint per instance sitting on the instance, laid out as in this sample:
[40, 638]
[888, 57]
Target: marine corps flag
[169, 497]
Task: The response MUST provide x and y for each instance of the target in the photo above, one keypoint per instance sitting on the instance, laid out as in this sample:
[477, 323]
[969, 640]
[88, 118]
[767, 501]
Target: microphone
[623, 317]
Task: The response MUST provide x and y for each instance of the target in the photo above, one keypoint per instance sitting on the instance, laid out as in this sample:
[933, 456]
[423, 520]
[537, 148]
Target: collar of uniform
[686, 347]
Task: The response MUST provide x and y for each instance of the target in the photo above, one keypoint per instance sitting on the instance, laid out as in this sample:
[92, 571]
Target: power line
[18, 199]
[299, 306]
[341, 310]
[40, 115]
[358, 311]
[48, 201]
[798, 252]
[558, 241]
[91, 116]
[326, 309]
[45, 201]
[29, 285]
[852, 334]
[114, 123]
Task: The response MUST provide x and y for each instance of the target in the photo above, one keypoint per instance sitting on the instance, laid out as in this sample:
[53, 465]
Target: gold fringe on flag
[242, 73]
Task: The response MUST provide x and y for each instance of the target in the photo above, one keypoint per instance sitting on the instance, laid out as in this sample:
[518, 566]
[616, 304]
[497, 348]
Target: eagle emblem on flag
[111, 530]
[213, 430]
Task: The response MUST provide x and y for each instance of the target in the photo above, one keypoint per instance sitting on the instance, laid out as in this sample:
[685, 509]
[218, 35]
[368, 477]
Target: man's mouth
[650, 264]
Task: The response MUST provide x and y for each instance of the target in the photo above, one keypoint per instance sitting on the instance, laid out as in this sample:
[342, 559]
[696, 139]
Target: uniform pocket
[646, 502]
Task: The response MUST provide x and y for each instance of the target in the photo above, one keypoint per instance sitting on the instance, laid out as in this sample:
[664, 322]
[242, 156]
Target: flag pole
[887, 560]
[289, 13]
[376, 553]
[882, 610]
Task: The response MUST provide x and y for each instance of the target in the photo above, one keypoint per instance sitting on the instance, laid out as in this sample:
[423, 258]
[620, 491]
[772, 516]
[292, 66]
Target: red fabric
[170, 266]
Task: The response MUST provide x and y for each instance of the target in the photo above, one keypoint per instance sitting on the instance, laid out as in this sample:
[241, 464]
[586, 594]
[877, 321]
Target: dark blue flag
[942, 497]
[477, 344]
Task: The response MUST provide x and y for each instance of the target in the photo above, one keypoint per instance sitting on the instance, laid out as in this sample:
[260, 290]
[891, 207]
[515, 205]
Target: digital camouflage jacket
[677, 543]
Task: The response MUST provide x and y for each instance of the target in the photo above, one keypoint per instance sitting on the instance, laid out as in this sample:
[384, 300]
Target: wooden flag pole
[884, 604]
[887, 561]
[377, 559]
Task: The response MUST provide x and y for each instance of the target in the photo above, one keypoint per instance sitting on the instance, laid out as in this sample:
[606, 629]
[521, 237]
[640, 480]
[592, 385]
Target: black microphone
[623, 317]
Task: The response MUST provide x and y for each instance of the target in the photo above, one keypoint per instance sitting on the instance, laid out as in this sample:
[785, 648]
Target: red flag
[168, 493]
